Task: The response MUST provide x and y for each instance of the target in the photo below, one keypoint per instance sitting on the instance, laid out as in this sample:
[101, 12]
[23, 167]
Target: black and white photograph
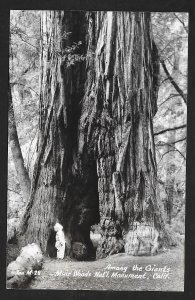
[97, 136]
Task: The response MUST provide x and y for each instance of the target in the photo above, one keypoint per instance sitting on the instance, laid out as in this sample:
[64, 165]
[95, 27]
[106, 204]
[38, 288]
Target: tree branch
[172, 150]
[173, 82]
[178, 141]
[19, 34]
[184, 26]
[13, 83]
[169, 144]
[13, 191]
[170, 97]
[170, 129]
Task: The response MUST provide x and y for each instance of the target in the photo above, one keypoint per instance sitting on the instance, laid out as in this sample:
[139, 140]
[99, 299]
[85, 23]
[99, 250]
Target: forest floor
[73, 275]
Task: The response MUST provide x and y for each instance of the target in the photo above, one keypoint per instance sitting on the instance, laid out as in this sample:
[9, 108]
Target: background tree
[16, 151]
[170, 32]
[23, 110]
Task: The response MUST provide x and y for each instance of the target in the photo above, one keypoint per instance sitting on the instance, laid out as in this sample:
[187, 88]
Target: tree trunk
[14, 144]
[116, 124]
[57, 194]
[171, 138]
[170, 170]
[96, 160]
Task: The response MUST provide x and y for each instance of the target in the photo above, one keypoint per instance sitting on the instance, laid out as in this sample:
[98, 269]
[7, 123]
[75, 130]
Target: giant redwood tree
[96, 157]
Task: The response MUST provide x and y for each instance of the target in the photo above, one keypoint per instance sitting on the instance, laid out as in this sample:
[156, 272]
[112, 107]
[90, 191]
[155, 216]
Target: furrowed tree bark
[58, 193]
[116, 123]
[96, 157]
[14, 144]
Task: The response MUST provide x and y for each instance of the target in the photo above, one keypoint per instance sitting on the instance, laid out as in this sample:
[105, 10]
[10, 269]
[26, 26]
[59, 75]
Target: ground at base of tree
[12, 252]
[54, 274]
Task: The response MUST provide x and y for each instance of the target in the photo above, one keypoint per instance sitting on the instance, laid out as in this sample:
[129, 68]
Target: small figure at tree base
[60, 241]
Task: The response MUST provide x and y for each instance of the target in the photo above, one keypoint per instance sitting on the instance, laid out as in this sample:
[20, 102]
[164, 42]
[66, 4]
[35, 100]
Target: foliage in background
[24, 81]
[170, 32]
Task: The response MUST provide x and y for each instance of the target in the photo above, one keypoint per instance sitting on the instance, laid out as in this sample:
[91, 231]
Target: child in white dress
[60, 241]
